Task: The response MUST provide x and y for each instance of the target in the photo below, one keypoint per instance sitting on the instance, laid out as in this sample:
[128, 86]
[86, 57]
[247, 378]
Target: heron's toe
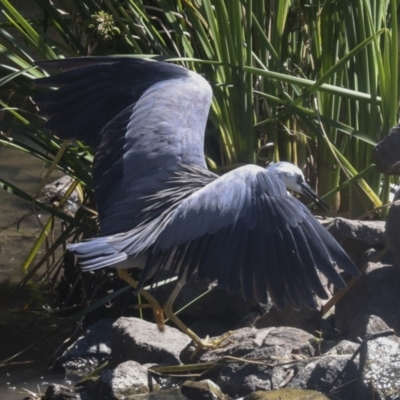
[208, 344]
[157, 312]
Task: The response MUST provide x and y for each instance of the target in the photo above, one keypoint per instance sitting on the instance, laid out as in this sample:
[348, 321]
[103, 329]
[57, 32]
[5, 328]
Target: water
[22, 319]
[20, 381]
[23, 171]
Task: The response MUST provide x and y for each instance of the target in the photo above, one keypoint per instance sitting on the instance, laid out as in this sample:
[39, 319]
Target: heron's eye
[299, 179]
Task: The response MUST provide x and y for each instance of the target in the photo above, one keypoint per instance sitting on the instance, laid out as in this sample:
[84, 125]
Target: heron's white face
[293, 178]
[290, 175]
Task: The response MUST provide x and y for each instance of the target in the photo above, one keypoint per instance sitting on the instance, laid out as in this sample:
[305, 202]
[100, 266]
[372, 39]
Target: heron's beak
[307, 191]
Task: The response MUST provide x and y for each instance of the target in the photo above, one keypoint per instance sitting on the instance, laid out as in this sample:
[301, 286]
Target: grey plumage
[156, 198]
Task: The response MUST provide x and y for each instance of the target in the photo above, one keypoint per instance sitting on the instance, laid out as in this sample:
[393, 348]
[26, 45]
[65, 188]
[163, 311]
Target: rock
[280, 342]
[344, 347]
[374, 256]
[374, 324]
[272, 358]
[141, 341]
[127, 379]
[89, 351]
[356, 237]
[386, 155]
[190, 390]
[241, 379]
[392, 232]
[203, 390]
[329, 374]
[268, 344]
[59, 392]
[376, 294]
[170, 394]
[268, 359]
[286, 394]
[53, 192]
[336, 375]
[382, 368]
[305, 318]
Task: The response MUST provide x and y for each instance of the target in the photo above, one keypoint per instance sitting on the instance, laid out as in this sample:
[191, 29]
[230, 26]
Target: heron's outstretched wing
[144, 119]
[245, 230]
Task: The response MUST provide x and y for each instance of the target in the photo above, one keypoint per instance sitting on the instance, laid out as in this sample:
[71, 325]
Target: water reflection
[22, 321]
[20, 380]
[23, 171]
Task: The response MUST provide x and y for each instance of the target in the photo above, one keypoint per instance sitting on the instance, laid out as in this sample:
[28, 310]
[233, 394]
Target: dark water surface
[19, 381]
[23, 319]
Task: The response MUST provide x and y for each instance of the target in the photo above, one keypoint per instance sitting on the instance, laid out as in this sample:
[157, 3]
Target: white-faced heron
[161, 209]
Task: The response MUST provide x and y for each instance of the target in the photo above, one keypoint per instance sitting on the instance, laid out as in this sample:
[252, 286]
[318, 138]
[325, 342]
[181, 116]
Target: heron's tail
[97, 253]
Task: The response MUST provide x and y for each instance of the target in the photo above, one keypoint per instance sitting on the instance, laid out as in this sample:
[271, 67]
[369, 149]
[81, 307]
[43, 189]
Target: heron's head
[294, 180]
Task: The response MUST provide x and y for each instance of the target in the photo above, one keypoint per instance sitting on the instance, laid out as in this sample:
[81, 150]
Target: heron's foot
[153, 303]
[208, 344]
[157, 312]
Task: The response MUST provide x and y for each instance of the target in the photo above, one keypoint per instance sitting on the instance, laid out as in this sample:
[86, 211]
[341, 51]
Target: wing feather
[131, 111]
[259, 239]
[275, 280]
[238, 262]
[260, 271]
[308, 262]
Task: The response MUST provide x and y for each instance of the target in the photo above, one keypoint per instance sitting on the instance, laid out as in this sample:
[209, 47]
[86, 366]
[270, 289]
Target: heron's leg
[200, 343]
[153, 303]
